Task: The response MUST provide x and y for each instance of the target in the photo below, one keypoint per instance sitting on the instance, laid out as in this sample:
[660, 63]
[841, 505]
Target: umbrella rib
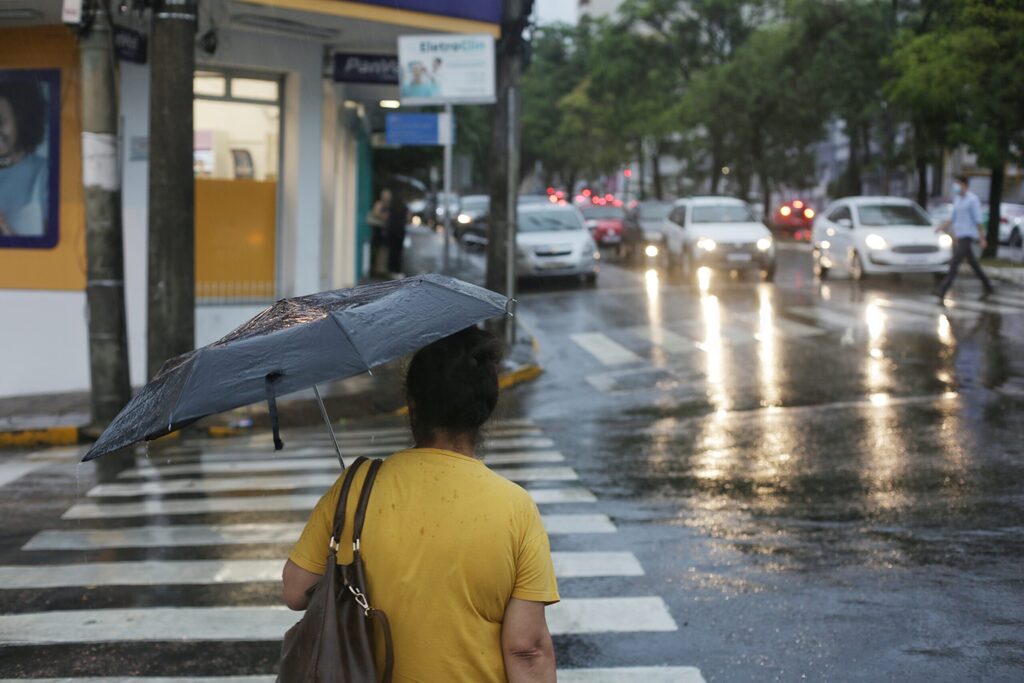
[184, 386]
[359, 351]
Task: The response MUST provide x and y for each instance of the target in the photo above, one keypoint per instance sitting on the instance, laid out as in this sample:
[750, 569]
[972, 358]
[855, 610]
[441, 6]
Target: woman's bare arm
[296, 582]
[526, 643]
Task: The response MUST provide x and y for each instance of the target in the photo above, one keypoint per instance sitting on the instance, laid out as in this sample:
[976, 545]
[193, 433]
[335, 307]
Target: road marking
[785, 327]
[829, 316]
[982, 307]
[241, 534]
[626, 674]
[287, 482]
[604, 349]
[926, 309]
[12, 471]
[183, 624]
[666, 339]
[328, 461]
[214, 572]
[271, 503]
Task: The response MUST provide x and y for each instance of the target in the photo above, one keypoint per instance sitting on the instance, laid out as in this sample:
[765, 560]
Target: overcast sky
[549, 11]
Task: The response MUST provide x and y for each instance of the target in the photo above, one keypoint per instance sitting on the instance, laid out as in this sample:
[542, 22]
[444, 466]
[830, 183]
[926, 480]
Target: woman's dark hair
[29, 108]
[963, 179]
[452, 384]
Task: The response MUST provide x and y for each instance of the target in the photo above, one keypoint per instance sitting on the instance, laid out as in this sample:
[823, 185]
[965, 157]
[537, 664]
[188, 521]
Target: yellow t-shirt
[446, 543]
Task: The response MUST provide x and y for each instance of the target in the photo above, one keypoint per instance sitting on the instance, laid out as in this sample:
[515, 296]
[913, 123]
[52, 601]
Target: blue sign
[477, 10]
[362, 68]
[415, 129]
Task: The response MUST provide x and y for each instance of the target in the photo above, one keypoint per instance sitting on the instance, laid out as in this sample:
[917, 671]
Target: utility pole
[501, 254]
[108, 336]
[170, 328]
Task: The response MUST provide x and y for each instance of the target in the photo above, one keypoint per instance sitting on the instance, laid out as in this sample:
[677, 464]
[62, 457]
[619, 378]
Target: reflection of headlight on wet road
[651, 251]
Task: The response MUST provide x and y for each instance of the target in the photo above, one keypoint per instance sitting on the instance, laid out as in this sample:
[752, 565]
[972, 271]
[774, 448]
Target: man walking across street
[966, 228]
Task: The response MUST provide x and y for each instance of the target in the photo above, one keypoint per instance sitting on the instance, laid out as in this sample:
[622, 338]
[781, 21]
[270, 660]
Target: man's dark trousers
[964, 250]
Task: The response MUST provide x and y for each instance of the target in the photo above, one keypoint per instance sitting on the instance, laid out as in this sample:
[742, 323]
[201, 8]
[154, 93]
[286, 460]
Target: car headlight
[945, 241]
[764, 244]
[465, 218]
[706, 243]
[876, 242]
[651, 251]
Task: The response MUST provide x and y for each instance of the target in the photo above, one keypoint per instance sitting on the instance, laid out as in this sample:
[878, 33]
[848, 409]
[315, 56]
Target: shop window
[236, 159]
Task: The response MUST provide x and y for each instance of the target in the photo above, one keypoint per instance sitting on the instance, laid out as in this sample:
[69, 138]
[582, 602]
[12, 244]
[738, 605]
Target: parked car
[875, 235]
[471, 223]
[794, 219]
[606, 223]
[1011, 224]
[721, 233]
[553, 240]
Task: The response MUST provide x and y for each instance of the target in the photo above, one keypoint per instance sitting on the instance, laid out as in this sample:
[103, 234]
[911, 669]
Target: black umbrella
[295, 344]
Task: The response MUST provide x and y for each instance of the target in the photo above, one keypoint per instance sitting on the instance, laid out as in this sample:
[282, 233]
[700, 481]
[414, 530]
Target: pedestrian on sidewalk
[378, 222]
[966, 227]
[398, 218]
[455, 555]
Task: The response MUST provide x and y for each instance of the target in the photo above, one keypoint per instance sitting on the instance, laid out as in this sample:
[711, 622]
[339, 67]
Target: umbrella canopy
[297, 343]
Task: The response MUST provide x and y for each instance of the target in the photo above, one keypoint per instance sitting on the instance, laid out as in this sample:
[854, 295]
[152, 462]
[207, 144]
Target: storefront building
[282, 161]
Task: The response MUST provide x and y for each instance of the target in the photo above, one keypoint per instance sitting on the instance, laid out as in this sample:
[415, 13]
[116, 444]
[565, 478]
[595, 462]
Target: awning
[448, 16]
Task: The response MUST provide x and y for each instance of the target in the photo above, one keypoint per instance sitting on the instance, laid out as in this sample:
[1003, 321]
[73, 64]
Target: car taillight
[809, 213]
[798, 204]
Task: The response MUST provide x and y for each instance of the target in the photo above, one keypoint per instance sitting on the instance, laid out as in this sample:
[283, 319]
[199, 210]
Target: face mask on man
[957, 190]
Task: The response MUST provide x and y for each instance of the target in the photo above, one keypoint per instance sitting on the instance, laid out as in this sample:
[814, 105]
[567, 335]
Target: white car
[720, 233]
[876, 235]
[553, 241]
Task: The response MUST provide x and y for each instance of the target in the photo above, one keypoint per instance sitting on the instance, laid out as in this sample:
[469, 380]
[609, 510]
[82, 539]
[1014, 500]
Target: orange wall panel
[63, 266]
[236, 238]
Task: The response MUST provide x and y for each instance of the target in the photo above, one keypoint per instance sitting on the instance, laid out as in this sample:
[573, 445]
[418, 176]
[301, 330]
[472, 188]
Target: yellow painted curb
[506, 380]
[50, 436]
[220, 432]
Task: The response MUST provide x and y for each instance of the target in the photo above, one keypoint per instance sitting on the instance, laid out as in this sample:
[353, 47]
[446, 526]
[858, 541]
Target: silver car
[553, 241]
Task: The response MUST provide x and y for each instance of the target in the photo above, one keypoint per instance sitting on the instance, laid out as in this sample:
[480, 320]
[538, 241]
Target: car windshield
[881, 215]
[603, 212]
[478, 205]
[722, 213]
[654, 212]
[548, 221]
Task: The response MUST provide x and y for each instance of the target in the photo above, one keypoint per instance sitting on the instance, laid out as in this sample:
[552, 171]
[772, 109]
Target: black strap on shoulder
[346, 486]
[364, 501]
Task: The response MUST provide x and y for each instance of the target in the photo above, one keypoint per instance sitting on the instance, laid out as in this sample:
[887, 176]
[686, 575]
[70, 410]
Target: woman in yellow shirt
[455, 555]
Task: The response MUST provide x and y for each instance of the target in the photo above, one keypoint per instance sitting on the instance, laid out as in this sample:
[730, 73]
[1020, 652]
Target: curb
[65, 435]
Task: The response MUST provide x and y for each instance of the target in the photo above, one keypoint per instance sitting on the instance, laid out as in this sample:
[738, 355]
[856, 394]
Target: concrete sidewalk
[62, 419]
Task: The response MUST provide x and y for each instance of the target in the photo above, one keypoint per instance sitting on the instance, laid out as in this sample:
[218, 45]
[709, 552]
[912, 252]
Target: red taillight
[586, 192]
[617, 202]
[798, 204]
[609, 197]
[551, 190]
[628, 173]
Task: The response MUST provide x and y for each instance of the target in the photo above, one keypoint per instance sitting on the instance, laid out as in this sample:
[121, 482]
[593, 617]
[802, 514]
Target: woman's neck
[463, 444]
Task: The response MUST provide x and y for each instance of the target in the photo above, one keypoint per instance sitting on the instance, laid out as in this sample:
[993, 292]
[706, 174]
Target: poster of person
[446, 69]
[29, 157]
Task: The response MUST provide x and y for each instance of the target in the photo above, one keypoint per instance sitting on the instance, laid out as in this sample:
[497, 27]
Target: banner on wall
[446, 69]
[29, 158]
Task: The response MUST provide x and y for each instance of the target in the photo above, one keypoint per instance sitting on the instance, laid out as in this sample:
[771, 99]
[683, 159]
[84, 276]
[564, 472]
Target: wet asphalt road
[820, 482]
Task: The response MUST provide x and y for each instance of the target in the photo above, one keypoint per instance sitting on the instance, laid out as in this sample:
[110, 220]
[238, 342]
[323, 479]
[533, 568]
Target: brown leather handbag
[333, 642]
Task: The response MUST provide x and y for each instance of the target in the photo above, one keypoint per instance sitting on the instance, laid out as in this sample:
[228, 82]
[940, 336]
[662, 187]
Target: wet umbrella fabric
[297, 343]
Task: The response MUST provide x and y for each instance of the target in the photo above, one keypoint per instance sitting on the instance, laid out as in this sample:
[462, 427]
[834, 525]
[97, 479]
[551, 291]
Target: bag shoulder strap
[340, 510]
[364, 501]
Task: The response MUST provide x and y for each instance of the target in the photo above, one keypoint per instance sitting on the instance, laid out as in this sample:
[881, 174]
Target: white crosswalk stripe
[287, 482]
[201, 572]
[180, 624]
[663, 338]
[185, 535]
[606, 351]
[267, 503]
[328, 461]
[244, 477]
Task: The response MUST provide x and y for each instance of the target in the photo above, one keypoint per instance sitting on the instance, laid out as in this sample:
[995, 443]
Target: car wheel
[590, 279]
[1016, 239]
[857, 268]
[820, 271]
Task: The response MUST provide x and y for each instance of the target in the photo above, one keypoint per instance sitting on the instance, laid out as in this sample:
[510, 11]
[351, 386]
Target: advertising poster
[446, 69]
[29, 158]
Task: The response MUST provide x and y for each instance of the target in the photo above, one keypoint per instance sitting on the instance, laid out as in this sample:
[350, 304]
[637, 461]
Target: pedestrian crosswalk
[205, 521]
[678, 346]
